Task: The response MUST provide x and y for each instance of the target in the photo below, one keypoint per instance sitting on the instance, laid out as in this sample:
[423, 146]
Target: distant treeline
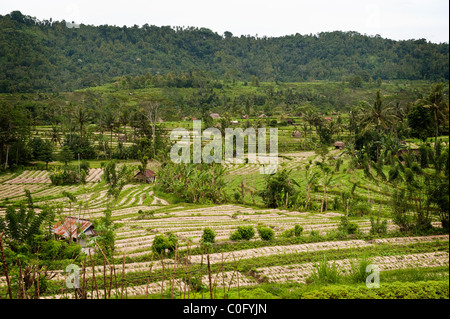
[48, 56]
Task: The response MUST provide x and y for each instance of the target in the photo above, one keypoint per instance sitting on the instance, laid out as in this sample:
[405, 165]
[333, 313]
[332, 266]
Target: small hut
[339, 145]
[215, 116]
[147, 176]
[290, 121]
[73, 227]
[329, 119]
[262, 116]
[234, 122]
[297, 134]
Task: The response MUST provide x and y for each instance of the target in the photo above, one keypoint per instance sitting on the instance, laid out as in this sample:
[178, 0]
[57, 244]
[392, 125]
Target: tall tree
[150, 111]
[378, 116]
[81, 114]
[437, 104]
[14, 128]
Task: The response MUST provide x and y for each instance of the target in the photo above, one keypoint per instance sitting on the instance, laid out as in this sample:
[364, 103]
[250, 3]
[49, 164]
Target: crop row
[300, 272]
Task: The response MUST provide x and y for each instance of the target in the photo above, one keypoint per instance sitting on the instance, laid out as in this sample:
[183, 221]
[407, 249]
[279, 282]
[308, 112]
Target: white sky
[394, 19]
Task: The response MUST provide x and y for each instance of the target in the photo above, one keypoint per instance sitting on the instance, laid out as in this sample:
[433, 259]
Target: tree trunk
[7, 154]
[436, 124]
[110, 143]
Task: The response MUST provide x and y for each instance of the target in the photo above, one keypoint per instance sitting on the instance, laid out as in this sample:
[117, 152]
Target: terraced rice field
[136, 231]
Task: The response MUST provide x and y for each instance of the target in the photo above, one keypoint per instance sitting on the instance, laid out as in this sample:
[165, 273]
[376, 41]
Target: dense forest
[49, 56]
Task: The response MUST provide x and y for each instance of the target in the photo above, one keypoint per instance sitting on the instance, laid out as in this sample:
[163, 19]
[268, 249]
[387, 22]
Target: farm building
[262, 116]
[215, 115]
[234, 122]
[148, 176]
[290, 121]
[73, 227]
[339, 145]
[297, 134]
[245, 117]
[329, 119]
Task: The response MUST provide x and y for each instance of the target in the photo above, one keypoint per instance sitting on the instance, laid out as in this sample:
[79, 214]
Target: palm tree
[81, 115]
[109, 122]
[436, 102]
[150, 111]
[378, 116]
[327, 182]
[124, 118]
[311, 181]
[309, 117]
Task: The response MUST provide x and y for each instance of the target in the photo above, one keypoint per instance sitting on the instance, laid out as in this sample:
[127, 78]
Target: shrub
[360, 208]
[347, 227]
[236, 235]
[396, 290]
[72, 250]
[266, 233]
[161, 243]
[377, 227]
[196, 284]
[352, 228]
[314, 233]
[51, 249]
[243, 232]
[288, 233]
[298, 230]
[172, 242]
[326, 272]
[208, 235]
[358, 272]
[68, 176]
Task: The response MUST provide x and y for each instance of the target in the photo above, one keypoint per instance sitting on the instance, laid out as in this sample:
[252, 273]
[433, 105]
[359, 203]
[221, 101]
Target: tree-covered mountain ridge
[50, 56]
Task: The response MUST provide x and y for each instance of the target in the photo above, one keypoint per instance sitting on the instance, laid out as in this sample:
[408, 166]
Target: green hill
[48, 56]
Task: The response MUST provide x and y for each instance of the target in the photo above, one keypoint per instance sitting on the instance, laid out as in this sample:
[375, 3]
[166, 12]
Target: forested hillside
[48, 56]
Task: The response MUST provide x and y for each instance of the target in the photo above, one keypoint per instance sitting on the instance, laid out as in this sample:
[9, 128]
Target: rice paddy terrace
[140, 215]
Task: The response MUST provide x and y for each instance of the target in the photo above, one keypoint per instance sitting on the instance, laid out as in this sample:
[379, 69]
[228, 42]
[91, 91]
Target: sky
[393, 19]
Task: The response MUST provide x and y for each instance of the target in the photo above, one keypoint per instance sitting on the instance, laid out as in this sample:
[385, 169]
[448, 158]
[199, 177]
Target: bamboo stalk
[21, 291]
[84, 294]
[148, 281]
[93, 275]
[201, 271]
[104, 276]
[123, 275]
[173, 273]
[185, 276]
[209, 276]
[162, 281]
[38, 272]
[223, 278]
